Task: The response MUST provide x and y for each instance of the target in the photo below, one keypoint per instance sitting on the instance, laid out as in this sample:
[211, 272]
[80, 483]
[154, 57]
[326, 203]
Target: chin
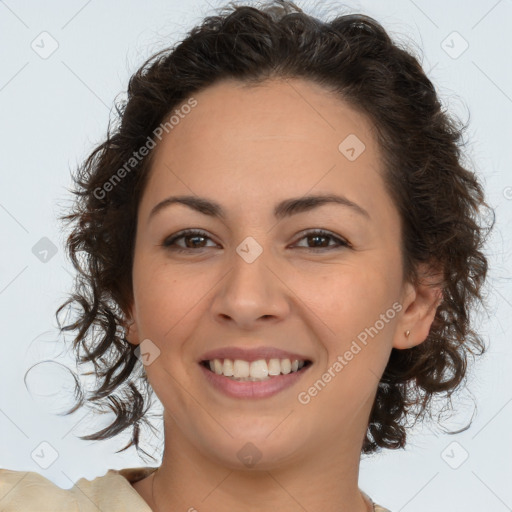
[254, 451]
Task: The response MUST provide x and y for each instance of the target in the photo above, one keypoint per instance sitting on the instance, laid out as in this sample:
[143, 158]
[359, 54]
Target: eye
[322, 234]
[195, 235]
[187, 234]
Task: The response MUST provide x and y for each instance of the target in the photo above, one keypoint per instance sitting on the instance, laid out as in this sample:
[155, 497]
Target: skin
[248, 149]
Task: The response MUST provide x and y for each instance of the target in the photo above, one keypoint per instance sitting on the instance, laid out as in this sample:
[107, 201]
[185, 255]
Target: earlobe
[131, 332]
[419, 310]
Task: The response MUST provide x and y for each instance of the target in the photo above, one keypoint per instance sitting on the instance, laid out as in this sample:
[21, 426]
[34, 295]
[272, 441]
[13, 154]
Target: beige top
[27, 491]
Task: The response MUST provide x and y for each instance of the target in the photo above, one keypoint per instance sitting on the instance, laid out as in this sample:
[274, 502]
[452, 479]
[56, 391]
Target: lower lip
[248, 389]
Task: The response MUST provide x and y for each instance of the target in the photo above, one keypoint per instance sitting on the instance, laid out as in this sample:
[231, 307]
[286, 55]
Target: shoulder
[378, 508]
[27, 490]
[30, 491]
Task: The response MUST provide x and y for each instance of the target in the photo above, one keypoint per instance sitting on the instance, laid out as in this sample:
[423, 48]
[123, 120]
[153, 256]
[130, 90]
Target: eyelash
[168, 243]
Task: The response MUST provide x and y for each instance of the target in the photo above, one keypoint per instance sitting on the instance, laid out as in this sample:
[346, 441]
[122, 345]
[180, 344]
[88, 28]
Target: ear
[131, 329]
[419, 305]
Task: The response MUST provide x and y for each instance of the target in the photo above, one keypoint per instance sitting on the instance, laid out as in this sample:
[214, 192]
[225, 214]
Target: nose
[251, 292]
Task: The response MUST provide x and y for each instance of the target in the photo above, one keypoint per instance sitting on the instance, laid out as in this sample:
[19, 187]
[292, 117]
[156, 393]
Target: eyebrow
[285, 208]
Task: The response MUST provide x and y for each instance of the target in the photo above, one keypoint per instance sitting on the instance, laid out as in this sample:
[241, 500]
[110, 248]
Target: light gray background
[55, 109]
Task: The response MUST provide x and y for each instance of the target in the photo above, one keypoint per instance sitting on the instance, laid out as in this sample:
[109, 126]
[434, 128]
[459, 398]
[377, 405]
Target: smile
[256, 379]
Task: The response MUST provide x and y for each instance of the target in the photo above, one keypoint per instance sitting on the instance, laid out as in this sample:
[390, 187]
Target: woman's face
[254, 279]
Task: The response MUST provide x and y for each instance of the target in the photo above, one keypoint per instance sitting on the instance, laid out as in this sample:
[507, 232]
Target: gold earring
[407, 333]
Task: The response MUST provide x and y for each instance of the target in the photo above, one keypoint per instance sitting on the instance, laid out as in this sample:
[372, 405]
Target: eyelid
[184, 233]
[340, 241]
[323, 232]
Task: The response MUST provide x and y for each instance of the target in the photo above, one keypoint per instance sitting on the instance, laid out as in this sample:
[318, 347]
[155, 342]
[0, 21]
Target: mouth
[255, 379]
[260, 370]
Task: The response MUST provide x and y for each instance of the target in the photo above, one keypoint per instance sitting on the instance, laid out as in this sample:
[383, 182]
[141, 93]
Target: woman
[280, 235]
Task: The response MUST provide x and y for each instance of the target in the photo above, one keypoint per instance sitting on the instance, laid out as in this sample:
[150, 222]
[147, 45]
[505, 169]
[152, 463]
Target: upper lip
[251, 354]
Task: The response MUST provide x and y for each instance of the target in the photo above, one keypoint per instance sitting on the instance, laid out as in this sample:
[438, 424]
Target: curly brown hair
[439, 200]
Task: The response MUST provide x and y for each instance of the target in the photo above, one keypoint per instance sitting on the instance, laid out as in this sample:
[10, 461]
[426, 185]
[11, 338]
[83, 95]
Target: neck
[187, 480]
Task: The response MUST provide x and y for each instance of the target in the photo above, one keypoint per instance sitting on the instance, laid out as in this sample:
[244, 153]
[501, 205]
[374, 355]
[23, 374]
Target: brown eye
[318, 236]
[319, 240]
[197, 239]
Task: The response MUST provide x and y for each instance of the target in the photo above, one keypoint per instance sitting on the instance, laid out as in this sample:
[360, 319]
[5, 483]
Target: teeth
[227, 368]
[240, 368]
[217, 367]
[286, 366]
[274, 367]
[259, 369]
[254, 370]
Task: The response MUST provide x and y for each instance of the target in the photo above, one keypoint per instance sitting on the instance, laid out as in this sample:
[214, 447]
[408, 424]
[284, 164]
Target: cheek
[168, 302]
[354, 322]
[347, 298]
[165, 296]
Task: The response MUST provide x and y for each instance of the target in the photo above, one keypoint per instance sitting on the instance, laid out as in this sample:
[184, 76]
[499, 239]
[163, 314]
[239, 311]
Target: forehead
[291, 110]
[279, 139]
